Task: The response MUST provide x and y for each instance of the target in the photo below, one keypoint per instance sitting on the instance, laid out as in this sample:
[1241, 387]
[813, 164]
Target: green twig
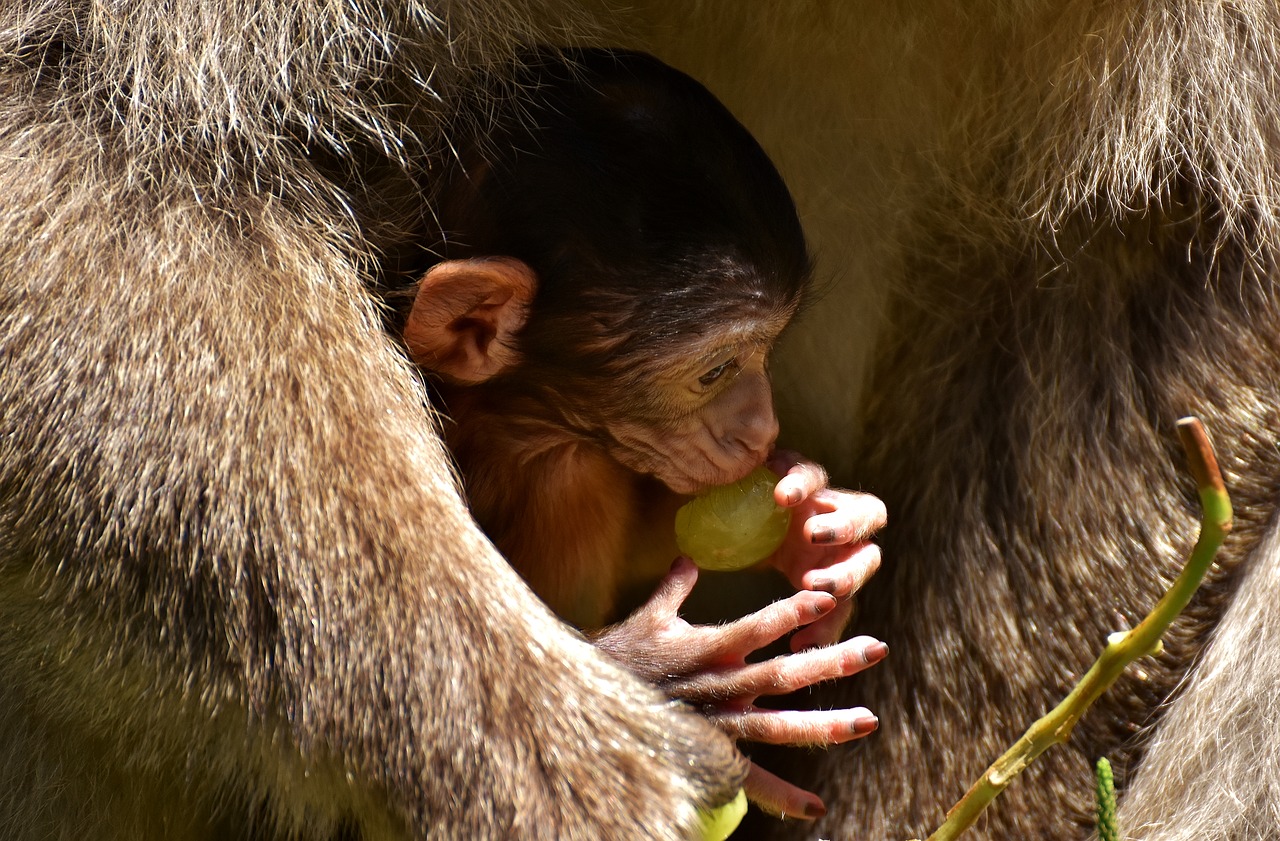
[1122, 648]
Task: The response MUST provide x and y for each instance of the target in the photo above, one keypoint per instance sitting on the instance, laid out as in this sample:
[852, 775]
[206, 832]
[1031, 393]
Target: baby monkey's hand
[827, 547]
[706, 666]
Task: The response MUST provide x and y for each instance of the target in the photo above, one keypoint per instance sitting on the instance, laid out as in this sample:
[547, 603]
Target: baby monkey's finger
[812, 728]
[800, 480]
[846, 517]
[674, 588]
[783, 674]
[779, 797]
[790, 672]
[844, 578]
[734, 641]
[825, 631]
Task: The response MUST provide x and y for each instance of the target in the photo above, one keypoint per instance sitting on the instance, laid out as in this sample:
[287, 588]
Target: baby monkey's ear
[465, 316]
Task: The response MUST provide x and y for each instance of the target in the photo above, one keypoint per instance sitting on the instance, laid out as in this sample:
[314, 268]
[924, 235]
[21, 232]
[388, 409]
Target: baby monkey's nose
[757, 434]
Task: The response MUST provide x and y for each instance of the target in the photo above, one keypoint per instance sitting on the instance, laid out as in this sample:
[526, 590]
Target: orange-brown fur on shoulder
[581, 528]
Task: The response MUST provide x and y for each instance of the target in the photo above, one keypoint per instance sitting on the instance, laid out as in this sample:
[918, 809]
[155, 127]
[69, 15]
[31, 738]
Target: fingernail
[793, 496]
[875, 652]
[823, 535]
[825, 606]
[826, 585]
[864, 725]
[814, 811]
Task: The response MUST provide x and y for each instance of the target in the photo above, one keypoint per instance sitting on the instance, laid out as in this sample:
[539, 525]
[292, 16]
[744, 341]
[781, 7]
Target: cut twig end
[1200, 458]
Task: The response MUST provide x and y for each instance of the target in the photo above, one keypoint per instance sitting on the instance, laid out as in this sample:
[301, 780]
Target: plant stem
[1122, 648]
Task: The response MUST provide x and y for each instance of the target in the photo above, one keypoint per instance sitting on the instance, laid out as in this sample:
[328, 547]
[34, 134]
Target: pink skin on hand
[706, 665]
[827, 556]
[828, 546]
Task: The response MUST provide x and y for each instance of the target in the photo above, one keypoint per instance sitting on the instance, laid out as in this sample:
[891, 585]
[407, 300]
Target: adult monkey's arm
[239, 594]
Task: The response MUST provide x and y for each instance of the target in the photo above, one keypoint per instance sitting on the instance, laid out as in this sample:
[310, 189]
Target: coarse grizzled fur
[240, 596]
[1057, 222]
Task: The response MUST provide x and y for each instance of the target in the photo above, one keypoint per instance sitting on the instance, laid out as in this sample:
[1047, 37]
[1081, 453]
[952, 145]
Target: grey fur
[1075, 202]
[239, 594]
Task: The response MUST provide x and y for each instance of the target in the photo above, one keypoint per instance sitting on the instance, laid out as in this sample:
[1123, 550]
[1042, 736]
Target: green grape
[719, 824]
[733, 526]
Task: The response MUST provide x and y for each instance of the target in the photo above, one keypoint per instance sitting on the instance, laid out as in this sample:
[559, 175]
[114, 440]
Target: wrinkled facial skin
[714, 421]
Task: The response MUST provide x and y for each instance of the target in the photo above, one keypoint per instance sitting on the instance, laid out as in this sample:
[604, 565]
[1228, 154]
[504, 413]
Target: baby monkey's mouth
[684, 481]
[686, 463]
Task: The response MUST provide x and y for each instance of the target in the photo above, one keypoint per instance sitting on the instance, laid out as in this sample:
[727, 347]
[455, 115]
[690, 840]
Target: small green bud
[1108, 830]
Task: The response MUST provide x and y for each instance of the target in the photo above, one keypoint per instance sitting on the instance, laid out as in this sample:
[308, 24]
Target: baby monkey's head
[618, 257]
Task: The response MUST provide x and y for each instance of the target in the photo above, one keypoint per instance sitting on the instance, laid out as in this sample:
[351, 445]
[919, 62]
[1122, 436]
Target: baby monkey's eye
[718, 372]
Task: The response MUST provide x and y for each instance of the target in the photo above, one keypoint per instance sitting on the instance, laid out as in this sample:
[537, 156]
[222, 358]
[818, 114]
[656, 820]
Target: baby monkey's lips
[678, 478]
[688, 470]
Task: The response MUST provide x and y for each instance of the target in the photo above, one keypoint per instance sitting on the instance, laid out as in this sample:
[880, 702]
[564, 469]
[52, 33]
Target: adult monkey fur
[1075, 204]
[1075, 208]
[239, 594]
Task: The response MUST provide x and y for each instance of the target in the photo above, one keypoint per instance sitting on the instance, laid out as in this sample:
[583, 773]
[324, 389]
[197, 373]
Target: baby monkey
[618, 258]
